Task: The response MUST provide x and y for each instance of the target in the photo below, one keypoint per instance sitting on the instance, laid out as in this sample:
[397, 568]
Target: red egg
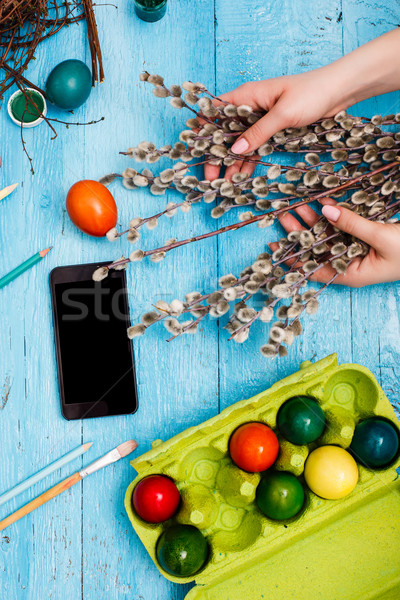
[156, 498]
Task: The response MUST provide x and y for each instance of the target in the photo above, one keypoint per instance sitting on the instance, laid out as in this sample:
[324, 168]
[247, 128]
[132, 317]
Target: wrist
[365, 82]
[368, 71]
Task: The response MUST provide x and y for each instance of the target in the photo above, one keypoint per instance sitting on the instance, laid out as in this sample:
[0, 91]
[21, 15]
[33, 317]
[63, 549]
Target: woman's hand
[292, 101]
[381, 264]
[298, 100]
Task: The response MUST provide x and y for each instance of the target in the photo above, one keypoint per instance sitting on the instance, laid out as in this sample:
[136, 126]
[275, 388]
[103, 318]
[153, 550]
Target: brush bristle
[127, 447]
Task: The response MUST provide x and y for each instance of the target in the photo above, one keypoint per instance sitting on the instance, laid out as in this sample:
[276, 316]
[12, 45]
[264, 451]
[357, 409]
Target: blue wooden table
[81, 544]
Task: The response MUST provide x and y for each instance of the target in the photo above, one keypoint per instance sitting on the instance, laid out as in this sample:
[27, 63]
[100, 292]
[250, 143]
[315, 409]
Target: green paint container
[27, 109]
[150, 10]
[332, 550]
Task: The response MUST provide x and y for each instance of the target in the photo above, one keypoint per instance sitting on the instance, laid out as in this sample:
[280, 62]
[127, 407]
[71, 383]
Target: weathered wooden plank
[177, 382]
[375, 310]
[257, 42]
[45, 547]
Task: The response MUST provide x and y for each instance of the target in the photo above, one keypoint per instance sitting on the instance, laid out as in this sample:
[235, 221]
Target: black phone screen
[94, 354]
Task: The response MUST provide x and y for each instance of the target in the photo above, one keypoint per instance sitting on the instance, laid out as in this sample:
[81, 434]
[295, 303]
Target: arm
[298, 100]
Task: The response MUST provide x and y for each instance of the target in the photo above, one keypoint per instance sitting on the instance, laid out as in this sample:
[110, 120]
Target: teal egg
[69, 84]
[375, 443]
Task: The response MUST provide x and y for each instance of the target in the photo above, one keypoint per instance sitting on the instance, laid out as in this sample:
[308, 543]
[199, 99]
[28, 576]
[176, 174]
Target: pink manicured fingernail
[331, 213]
[240, 146]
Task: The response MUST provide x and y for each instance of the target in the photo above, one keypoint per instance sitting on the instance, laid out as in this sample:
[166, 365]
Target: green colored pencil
[23, 267]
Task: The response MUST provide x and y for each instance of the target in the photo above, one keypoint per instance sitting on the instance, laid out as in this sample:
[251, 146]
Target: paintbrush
[119, 452]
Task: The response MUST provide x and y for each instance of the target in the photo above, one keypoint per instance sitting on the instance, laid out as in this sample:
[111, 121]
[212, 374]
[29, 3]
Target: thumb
[367, 231]
[261, 131]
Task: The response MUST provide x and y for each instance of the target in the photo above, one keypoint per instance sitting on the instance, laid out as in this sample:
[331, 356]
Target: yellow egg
[331, 472]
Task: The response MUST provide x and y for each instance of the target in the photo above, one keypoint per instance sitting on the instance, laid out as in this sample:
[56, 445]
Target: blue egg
[375, 443]
[69, 84]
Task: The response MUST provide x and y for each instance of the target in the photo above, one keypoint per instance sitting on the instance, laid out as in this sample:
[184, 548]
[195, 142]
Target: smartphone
[95, 362]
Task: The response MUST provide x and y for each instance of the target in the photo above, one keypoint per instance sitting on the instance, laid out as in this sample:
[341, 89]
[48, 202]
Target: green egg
[182, 550]
[280, 495]
[69, 84]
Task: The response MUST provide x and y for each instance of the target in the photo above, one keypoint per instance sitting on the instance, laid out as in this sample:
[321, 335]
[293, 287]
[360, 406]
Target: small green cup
[27, 109]
[150, 10]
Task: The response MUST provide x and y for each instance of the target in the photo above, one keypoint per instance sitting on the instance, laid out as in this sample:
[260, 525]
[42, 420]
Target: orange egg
[91, 207]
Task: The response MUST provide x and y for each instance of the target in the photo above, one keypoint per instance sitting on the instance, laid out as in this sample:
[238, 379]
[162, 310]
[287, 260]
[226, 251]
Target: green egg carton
[346, 549]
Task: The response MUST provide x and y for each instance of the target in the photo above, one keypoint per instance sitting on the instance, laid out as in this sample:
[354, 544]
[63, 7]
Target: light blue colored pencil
[24, 485]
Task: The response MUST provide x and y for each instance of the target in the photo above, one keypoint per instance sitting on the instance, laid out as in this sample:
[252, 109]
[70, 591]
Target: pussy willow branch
[356, 146]
[189, 306]
[257, 218]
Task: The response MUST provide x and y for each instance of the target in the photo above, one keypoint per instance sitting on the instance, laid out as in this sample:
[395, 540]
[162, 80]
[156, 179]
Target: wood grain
[81, 544]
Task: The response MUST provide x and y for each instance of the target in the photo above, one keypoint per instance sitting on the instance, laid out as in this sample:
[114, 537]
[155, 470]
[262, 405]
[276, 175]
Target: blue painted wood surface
[81, 545]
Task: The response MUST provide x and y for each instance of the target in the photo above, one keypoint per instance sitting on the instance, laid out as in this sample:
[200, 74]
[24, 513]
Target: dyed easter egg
[331, 472]
[182, 550]
[375, 443]
[280, 495]
[156, 498]
[69, 84]
[253, 447]
[301, 420]
[91, 207]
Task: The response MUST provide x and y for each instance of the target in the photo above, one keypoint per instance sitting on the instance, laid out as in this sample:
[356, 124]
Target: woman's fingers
[244, 94]
[324, 274]
[211, 172]
[372, 233]
[289, 222]
[242, 166]
[307, 214]
[355, 275]
[262, 130]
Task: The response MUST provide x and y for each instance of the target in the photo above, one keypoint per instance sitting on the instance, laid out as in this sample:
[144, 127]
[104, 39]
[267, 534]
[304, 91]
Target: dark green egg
[375, 443]
[182, 550]
[301, 420]
[69, 84]
[280, 495]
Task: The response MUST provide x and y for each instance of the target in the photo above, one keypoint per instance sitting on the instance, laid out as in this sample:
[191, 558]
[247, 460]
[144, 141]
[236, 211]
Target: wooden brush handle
[42, 499]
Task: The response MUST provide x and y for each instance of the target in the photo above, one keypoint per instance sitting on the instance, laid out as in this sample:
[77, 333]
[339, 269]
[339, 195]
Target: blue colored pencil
[57, 464]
